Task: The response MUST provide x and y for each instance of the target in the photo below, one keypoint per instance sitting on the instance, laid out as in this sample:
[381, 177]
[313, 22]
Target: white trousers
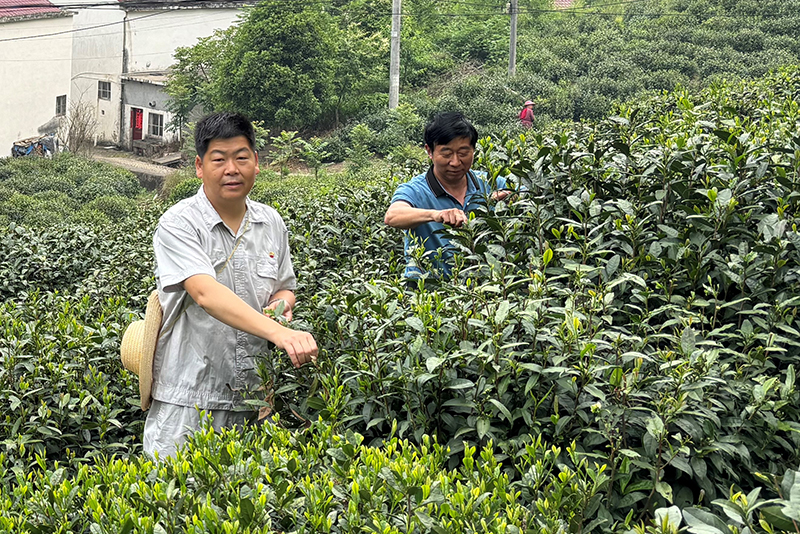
[168, 425]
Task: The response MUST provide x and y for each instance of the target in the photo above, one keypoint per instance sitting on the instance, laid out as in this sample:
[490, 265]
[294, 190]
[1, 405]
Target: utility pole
[394, 65]
[512, 48]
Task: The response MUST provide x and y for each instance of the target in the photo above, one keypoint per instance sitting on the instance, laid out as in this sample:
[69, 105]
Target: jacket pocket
[266, 279]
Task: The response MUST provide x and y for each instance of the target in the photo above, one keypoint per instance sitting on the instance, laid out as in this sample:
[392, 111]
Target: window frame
[103, 90]
[155, 127]
[61, 105]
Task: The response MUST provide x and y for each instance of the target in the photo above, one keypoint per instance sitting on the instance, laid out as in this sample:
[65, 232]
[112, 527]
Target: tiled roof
[559, 4]
[11, 8]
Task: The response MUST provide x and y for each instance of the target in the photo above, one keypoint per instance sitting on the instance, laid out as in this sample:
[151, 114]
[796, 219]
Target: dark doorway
[137, 118]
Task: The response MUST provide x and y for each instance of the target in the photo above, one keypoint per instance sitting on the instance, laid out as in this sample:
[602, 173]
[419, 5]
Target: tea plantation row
[42, 192]
[615, 352]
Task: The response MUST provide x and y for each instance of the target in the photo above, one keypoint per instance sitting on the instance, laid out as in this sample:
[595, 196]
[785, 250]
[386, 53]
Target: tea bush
[634, 306]
[185, 189]
[116, 208]
[62, 386]
[46, 192]
[269, 479]
[639, 297]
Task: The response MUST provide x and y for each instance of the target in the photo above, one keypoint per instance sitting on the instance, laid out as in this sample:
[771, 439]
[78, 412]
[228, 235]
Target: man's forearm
[407, 217]
[225, 306]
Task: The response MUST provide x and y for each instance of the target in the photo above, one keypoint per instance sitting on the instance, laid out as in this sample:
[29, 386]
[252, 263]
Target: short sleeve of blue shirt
[418, 193]
[406, 192]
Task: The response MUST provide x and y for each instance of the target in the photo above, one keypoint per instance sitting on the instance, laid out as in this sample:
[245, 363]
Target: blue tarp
[43, 146]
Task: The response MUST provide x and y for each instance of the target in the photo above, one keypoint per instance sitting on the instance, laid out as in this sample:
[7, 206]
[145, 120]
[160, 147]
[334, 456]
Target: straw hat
[139, 346]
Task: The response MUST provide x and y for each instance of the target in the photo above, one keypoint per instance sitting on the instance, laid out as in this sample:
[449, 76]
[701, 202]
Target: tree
[279, 67]
[288, 147]
[303, 65]
[77, 130]
[361, 71]
[191, 81]
[314, 154]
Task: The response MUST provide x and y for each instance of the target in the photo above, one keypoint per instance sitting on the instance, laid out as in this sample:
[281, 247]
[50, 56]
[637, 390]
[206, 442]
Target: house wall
[33, 73]
[73, 63]
[97, 56]
[153, 36]
[150, 98]
[136, 41]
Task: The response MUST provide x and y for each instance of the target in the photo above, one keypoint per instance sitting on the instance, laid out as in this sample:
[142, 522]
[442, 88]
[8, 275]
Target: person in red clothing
[526, 115]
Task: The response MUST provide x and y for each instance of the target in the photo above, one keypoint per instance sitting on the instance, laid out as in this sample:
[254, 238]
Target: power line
[142, 4]
[150, 4]
[182, 24]
[75, 30]
[171, 4]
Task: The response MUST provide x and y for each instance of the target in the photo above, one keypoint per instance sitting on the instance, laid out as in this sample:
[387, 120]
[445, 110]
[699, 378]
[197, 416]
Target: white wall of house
[153, 36]
[75, 62]
[152, 100]
[97, 57]
[34, 72]
[150, 130]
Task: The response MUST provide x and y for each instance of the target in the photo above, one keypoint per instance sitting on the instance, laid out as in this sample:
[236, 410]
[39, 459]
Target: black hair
[448, 126]
[222, 125]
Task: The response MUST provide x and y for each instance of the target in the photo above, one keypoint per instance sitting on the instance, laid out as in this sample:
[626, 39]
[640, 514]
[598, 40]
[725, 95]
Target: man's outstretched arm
[225, 306]
[405, 216]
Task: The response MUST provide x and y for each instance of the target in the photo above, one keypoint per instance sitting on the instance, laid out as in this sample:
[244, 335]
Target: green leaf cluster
[291, 66]
[45, 192]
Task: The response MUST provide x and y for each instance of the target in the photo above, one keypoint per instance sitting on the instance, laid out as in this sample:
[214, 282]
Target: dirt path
[134, 165]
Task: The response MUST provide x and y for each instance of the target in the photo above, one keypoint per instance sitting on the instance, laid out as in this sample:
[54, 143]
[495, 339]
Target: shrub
[89, 217]
[122, 183]
[174, 178]
[634, 306]
[185, 189]
[46, 192]
[358, 156]
[116, 208]
[65, 398]
[311, 481]
[5, 192]
[17, 207]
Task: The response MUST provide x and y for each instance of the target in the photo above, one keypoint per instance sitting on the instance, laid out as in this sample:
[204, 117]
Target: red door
[137, 117]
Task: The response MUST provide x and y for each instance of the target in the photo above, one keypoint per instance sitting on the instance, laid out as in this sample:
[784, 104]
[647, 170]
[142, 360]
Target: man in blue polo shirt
[445, 194]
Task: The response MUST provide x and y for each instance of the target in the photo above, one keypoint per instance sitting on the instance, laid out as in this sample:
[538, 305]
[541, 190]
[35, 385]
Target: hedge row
[638, 299]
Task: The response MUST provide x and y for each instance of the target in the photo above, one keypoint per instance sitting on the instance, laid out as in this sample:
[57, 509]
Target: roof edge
[37, 16]
[155, 5]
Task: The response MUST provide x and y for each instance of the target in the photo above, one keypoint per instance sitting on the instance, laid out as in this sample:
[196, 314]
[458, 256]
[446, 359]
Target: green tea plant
[266, 479]
[638, 296]
[615, 352]
[45, 192]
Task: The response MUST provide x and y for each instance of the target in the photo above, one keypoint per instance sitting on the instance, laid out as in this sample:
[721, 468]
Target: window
[61, 105]
[104, 90]
[156, 122]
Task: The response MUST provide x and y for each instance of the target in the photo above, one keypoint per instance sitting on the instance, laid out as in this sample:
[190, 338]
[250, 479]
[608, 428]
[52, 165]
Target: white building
[152, 34]
[97, 60]
[112, 60]
[35, 69]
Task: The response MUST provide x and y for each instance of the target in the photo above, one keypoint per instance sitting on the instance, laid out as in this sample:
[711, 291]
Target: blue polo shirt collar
[439, 191]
